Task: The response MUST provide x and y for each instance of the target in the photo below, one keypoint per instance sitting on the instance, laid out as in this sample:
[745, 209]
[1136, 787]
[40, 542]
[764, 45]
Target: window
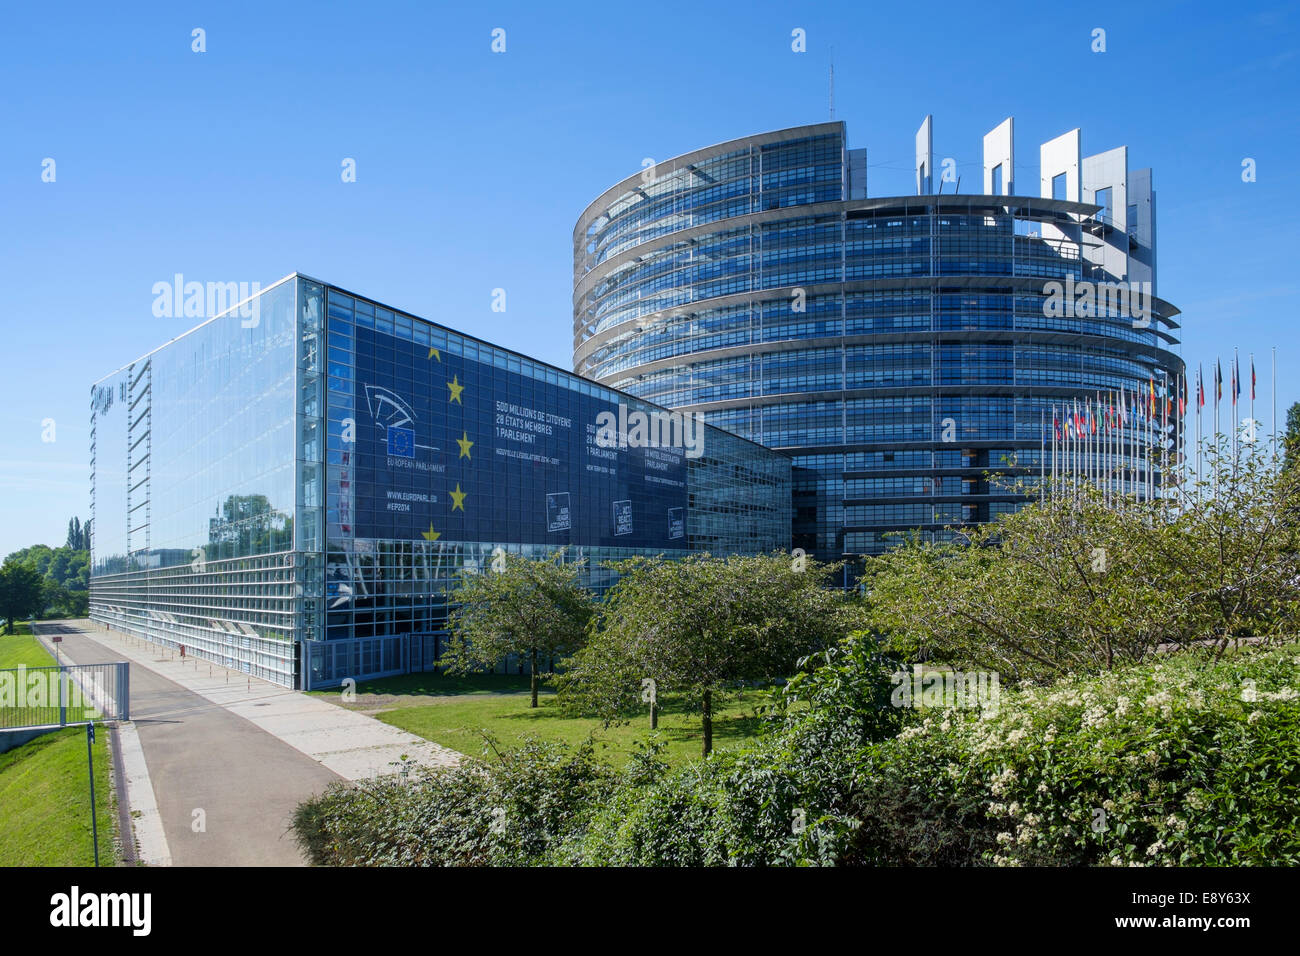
[1058, 186]
[997, 180]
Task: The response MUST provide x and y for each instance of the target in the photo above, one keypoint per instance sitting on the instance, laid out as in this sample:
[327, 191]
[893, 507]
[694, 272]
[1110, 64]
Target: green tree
[1079, 583]
[699, 625]
[1291, 437]
[20, 592]
[533, 607]
[61, 601]
[57, 570]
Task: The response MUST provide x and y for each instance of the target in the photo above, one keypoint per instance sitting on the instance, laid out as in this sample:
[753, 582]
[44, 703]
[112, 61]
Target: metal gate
[32, 697]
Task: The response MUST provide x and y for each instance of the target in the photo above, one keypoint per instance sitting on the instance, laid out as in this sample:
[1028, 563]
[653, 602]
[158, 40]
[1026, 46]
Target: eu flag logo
[401, 442]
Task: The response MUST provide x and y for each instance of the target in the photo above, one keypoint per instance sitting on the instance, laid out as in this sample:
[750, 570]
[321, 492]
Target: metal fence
[32, 697]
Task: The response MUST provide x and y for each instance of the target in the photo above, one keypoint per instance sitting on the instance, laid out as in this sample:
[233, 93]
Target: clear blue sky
[472, 167]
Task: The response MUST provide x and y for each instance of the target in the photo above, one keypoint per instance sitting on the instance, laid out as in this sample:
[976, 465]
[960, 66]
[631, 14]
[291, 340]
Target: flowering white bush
[1161, 764]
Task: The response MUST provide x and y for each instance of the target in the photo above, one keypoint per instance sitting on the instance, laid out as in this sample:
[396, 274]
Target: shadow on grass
[437, 685]
[678, 721]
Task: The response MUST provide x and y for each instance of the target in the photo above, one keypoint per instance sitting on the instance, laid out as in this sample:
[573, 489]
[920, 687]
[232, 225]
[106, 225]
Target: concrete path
[228, 758]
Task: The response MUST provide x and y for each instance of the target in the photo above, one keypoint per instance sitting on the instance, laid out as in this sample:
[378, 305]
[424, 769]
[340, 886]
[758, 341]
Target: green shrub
[1180, 762]
[507, 812]
[787, 799]
[1186, 761]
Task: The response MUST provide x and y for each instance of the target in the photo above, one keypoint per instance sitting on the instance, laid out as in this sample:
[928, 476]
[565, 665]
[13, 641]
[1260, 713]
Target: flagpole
[1273, 388]
[1078, 448]
[1178, 411]
[1164, 439]
[1141, 437]
[1182, 432]
[1236, 387]
[1168, 442]
[1127, 448]
[1119, 447]
[1151, 439]
[1131, 428]
[1094, 436]
[1108, 446]
[1135, 450]
[1054, 429]
[1218, 387]
[1087, 440]
[1114, 447]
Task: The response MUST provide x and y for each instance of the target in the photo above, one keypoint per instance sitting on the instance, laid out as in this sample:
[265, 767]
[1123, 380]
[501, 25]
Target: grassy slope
[21, 648]
[45, 802]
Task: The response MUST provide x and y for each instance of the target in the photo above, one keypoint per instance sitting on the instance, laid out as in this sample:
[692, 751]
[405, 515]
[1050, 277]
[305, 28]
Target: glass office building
[291, 488]
[898, 348]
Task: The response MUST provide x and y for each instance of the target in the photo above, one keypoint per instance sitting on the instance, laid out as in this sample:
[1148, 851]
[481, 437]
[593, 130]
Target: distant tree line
[41, 581]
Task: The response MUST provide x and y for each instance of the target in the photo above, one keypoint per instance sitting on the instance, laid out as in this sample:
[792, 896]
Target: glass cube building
[899, 348]
[291, 488]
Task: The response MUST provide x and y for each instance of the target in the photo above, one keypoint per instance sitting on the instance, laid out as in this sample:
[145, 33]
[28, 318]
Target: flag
[1252, 378]
[1200, 389]
[1234, 385]
[1218, 381]
[1056, 424]
[1151, 383]
[1182, 396]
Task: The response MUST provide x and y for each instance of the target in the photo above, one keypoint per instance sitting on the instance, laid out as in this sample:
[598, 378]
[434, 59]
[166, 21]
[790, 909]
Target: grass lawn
[458, 723]
[45, 802]
[21, 648]
[454, 711]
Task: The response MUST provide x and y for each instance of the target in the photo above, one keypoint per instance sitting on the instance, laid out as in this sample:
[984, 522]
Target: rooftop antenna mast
[832, 92]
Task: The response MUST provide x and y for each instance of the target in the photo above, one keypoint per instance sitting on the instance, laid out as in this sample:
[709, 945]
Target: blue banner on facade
[448, 448]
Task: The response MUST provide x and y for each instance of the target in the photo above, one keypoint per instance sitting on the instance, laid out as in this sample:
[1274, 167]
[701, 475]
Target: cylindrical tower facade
[898, 348]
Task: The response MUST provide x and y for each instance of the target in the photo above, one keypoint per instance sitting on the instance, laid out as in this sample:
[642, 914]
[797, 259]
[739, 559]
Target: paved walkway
[243, 752]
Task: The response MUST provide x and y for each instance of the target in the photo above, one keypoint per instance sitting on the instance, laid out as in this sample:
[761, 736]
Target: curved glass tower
[898, 348]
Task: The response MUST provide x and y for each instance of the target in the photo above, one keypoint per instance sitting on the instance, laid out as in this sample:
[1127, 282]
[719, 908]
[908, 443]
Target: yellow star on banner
[458, 498]
[431, 535]
[456, 388]
[434, 353]
[465, 445]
